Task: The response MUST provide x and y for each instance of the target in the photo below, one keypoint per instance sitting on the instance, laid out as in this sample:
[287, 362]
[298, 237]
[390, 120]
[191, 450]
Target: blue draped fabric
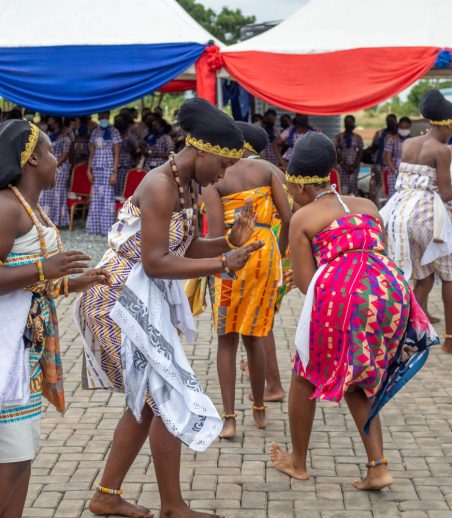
[79, 79]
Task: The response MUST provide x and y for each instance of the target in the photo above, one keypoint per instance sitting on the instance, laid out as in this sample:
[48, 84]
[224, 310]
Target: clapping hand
[289, 278]
[243, 227]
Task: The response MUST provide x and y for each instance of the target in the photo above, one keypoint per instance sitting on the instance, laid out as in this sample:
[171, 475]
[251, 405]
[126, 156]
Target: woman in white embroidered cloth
[131, 329]
[34, 271]
[418, 218]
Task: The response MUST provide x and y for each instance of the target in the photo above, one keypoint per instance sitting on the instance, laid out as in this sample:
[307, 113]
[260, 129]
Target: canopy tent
[338, 56]
[79, 56]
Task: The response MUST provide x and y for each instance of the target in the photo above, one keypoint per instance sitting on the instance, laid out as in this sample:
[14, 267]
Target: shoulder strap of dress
[339, 199]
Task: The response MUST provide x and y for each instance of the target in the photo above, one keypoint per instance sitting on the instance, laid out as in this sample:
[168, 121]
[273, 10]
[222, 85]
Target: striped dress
[54, 200]
[410, 222]
[247, 305]
[97, 327]
[19, 425]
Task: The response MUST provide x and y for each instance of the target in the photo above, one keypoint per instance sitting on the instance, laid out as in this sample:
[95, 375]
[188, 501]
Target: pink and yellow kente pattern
[360, 311]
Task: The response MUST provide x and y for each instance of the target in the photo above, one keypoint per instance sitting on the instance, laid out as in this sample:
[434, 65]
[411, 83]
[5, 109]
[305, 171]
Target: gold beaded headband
[445, 122]
[249, 147]
[30, 146]
[210, 148]
[307, 179]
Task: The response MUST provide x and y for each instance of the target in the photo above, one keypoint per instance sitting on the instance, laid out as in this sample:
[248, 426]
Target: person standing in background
[378, 147]
[271, 153]
[157, 144]
[393, 151]
[54, 200]
[103, 174]
[349, 148]
[128, 149]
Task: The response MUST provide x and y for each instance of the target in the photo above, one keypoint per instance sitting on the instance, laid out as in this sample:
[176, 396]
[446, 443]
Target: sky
[264, 10]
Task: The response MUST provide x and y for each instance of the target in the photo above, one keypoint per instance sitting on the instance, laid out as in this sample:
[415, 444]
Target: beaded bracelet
[66, 286]
[227, 238]
[226, 268]
[38, 263]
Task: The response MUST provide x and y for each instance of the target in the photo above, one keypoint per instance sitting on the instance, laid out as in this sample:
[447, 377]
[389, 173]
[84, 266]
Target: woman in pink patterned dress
[357, 317]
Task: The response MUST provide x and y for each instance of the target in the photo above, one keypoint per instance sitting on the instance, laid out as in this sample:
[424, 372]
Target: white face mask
[404, 132]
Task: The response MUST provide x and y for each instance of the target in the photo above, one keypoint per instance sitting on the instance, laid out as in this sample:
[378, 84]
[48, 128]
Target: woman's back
[245, 175]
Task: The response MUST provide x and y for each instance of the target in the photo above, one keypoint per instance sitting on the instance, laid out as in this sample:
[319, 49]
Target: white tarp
[329, 25]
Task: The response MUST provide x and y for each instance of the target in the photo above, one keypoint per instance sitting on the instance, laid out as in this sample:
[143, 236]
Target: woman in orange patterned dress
[246, 306]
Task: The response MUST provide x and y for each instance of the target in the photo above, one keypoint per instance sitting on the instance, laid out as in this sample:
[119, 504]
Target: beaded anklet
[259, 408]
[448, 337]
[229, 416]
[108, 491]
[376, 463]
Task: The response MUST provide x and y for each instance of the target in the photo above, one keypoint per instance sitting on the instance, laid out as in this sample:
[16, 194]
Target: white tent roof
[35, 23]
[329, 25]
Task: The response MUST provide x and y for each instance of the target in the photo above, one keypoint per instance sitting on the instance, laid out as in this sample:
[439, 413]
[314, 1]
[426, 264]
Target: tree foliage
[224, 25]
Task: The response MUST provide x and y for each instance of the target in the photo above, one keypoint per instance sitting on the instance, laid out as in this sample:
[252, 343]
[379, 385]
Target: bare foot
[103, 504]
[271, 396]
[447, 346]
[283, 461]
[377, 479]
[259, 417]
[244, 368]
[229, 428]
[185, 512]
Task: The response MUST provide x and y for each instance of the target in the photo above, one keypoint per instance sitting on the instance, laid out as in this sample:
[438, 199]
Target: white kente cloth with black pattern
[419, 224]
[149, 312]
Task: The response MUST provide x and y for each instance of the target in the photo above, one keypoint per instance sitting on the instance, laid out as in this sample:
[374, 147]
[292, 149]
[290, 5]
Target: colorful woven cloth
[360, 313]
[247, 305]
[102, 335]
[40, 335]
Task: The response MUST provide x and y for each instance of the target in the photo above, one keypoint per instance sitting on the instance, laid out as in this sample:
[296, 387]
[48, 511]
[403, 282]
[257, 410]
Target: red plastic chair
[133, 179]
[78, 197]
[335, 179]
[383, 191]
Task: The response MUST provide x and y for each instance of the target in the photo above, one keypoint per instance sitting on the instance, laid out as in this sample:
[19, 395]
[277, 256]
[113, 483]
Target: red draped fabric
[206, 73]
[178, 86]
[329, 83]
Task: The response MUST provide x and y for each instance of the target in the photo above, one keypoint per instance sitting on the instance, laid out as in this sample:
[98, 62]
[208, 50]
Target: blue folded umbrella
[401, 371]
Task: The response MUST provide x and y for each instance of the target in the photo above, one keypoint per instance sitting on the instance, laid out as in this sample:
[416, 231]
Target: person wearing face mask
[349, 148]
[54, 200]
[157, 144]
[102, 173]
[271, 153]
[393, 151]
[378, 146]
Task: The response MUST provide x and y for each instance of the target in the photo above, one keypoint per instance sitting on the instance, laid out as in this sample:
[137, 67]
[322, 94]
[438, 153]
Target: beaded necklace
[42, 241]
[188, 229]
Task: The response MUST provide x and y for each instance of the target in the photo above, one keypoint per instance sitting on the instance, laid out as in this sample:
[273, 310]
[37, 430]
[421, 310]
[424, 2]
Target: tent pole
[219, 92]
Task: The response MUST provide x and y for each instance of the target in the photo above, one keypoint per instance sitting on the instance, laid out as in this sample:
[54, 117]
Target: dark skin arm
[303, 263]
[90, 161]
[443, 159]
[156, 201]
[359, 154]
[282, 206]
[214, 211]
[389, 161]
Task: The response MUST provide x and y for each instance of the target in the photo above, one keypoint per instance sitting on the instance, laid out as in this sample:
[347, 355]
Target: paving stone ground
[235, 478]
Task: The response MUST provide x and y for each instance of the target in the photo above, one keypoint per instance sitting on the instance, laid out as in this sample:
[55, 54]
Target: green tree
[225, 25]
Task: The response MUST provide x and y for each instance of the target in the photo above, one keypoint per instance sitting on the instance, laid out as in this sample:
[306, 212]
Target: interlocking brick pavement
[235, 478]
